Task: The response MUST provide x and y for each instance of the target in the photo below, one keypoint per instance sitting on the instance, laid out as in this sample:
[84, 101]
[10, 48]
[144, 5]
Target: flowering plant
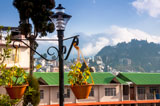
[77, 76]
[13, 76]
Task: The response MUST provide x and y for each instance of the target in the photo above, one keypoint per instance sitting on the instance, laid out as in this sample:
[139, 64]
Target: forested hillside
[136, 55]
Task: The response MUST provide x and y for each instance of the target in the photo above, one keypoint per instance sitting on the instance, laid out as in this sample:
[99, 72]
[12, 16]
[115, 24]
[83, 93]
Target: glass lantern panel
[60, 10]
[60, 24]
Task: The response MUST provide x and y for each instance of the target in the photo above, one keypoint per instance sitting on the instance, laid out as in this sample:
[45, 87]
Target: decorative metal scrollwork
[74, 41]
[64, 49]
[48, 52]
[14, 44]
[52, 53]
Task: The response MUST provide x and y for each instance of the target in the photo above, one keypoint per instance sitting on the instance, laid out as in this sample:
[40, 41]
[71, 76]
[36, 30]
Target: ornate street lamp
[60, 20]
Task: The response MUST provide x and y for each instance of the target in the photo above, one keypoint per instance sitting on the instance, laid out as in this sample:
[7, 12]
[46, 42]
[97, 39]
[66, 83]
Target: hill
[137, 56]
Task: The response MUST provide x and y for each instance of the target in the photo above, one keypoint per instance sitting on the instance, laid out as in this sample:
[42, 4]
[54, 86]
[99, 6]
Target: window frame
[1, 51]
[110, 91]
[141, 90]
[66, 95]
[41, 94]
[154, 88]
[92, 92]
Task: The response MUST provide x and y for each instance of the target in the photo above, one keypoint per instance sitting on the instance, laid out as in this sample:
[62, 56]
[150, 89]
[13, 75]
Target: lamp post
[60, 20]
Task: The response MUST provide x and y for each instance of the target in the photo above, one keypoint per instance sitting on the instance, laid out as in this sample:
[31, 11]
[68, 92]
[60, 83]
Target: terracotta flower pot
[16, 92]
[81, 91]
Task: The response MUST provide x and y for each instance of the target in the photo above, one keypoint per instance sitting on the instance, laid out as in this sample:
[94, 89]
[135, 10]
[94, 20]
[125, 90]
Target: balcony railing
[153, 96]
[141, 96]
[150, 96]
[125, 97]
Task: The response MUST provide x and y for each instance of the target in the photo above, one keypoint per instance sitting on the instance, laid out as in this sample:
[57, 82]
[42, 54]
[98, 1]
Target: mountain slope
[133, 56]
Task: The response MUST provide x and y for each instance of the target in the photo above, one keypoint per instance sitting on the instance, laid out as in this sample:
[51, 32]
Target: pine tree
[36, 12]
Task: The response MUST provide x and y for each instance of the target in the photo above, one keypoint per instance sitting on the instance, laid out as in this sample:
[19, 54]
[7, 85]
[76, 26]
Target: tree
[34, 97]
[38, 13]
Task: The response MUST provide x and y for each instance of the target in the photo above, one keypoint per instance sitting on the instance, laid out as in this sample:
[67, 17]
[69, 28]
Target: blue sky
[100, 22]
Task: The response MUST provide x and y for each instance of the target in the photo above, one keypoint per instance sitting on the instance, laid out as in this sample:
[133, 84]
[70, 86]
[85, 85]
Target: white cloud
[93, 47]
[152, 7]
[112, 36]
[91, 44]
[121, 34]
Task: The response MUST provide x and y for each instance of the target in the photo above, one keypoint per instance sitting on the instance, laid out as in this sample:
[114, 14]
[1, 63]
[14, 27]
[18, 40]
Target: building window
[110, 91]
[41, 94]
[66, 95]
[0, 54]
[92, 92]
[57, 94]
[141, 90]
[154, 90]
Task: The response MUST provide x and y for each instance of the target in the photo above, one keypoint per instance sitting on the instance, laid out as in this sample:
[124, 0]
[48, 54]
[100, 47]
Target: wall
[47, 93]
[90, 98]
[23, 55]
[50, 95]
[104, 98]
[55, 99]
[2, 90]
[99, 95]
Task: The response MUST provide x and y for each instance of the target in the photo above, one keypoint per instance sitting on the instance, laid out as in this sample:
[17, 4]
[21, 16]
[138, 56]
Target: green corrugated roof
[101, 78]
[53, 78]
[121, 81]
[141, 78]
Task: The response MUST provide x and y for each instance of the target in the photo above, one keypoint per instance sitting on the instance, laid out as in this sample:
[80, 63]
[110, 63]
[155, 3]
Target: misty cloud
[151, 7]
[92, 44]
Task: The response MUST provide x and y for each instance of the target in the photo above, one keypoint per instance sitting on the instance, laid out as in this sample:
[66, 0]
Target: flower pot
[81, 91]
[16, 92]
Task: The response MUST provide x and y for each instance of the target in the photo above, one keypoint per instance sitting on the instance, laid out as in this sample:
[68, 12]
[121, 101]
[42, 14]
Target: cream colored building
[127, 89]
[22, 55]
[100, 92]
[50, 95]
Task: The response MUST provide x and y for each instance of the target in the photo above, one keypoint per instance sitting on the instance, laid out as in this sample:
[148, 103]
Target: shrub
[6, 101]
[34, 96]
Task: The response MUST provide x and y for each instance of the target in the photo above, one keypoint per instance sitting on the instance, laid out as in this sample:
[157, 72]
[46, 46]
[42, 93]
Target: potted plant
[15, 81]
[78, 77]
[78, 80]
[14, 78]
